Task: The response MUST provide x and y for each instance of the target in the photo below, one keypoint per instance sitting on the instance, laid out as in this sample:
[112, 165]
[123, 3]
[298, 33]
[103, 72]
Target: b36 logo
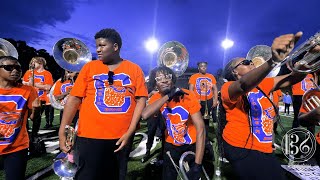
[298, 145]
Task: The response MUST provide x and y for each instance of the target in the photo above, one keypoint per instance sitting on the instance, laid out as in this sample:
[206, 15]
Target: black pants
[96, 160]
[286, 108]
[37, 119]
[154, 123]
[252, 164]
[297, 102]
[15, 164]
[169, 172]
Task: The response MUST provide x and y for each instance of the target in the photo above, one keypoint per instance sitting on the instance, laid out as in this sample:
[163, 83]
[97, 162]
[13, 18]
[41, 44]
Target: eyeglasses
[163, 78]
[110, 77]
[11, 67]
[245, 62]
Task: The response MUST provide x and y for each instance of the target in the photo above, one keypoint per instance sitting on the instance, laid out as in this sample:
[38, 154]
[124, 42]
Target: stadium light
[227, 43]
[151, 45]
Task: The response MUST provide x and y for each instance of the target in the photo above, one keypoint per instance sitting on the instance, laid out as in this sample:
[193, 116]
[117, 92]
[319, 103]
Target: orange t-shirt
[15, 104]
[180, 129]
[108, 109]
[203, 85]
[237, 131]
[275, 97]
[304, 110]
[303, 86]
[43, 77]
[62, 87]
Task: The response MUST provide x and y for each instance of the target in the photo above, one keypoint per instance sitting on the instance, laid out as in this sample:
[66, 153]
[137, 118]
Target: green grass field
[138, 170]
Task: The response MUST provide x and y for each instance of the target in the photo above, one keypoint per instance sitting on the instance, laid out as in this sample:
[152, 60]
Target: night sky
[200, 25]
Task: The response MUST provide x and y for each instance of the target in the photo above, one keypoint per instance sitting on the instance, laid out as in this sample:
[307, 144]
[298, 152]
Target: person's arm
[281, 47]
[36, 109]
[191, 87]
[63, 95]
[310, 118]
[200, 142]
[287, 80]
[45, 87]
[69, 111]
[151, 109]
[215, 95]
[141, 103]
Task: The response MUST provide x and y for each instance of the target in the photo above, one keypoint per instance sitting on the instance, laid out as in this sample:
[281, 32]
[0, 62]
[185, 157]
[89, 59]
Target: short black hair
[202, 62]
[111, 35]
[5, 58]
[165, 70]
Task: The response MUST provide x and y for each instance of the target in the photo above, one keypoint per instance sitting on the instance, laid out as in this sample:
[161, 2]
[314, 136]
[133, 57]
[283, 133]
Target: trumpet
[64, 165]
[261, 53]
[206, 111]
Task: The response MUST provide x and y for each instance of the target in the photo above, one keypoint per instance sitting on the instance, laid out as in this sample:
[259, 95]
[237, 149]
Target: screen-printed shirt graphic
[13, 116]
[203, 85]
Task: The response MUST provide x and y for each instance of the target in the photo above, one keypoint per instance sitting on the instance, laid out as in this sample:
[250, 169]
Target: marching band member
[185, 129]
[311, 118]
[42, 81]
[112, 92]
[204, 86]
[18, 102]
[298, 91]
[249, 113]
[62, 89]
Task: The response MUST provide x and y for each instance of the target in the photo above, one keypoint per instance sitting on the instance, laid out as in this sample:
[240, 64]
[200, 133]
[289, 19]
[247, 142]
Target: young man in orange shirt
[42, 82]
[112, 94]
[204, 86]
[17, 103]
[184, 125]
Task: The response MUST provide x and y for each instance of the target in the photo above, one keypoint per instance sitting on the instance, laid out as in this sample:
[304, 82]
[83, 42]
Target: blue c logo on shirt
[41, 77]
[100, 86]
[178, 131]
[10, 122]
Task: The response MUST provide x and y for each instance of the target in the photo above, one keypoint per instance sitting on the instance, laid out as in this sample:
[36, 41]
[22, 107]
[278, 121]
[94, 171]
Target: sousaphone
[70, 54]
[175, 56]
[7, 49]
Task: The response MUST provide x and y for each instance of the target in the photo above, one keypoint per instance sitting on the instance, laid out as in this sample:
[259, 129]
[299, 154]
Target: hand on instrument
[175, 93]
[283, 45]
[195, 172]
[62, 143]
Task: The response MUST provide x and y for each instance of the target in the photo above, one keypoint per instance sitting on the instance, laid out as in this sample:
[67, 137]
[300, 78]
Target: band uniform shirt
[237, 131]
[107, 110]
[303, 86]
[44, 78]
[276, 96]
[179, 126]
[203, 85]
[62, 87]
[15, 104]
[304, 110]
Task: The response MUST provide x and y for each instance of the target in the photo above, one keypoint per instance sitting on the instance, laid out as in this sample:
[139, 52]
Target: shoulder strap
[274, 106]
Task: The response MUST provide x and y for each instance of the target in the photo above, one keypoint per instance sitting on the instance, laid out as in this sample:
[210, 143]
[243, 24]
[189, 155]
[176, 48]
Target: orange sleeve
[192, 79]
[32, 97]
[225, 94]
[194, 105]
[48, 78]
[154, 98]
[80, 86]
[26, 76]
[279, 92]
[214, 81]
[57, 88]
[141, 89]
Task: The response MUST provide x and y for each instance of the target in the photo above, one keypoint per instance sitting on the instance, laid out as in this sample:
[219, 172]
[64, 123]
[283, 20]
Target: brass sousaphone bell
[7, 49]
[175, 56]
[70, 54]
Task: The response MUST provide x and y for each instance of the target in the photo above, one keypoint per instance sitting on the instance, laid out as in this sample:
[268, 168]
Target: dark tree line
[26, 53]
